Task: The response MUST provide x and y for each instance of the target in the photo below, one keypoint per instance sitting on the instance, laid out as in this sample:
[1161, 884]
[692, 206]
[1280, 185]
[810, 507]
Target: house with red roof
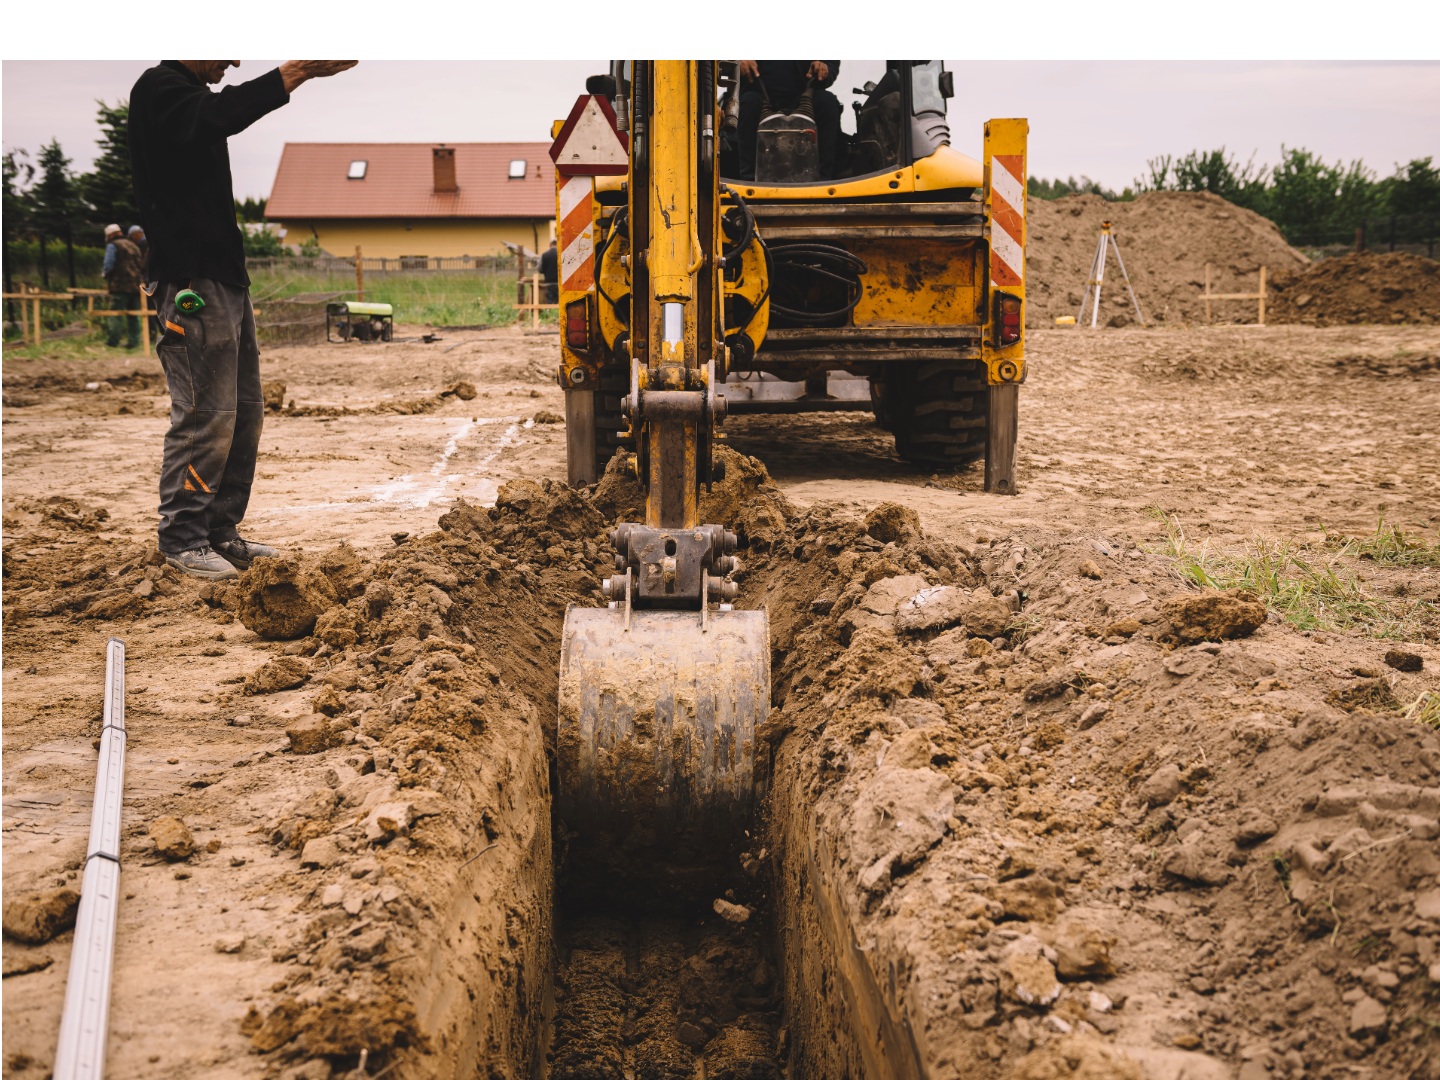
[398, 200]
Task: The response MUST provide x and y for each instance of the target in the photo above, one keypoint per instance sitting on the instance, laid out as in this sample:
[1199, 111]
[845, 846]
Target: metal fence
[1415, 233]
[404, 264]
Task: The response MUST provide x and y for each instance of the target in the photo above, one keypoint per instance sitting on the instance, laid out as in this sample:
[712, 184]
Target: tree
[56, 205]
[15, 213]
[109, 189]
[251, 209]
[1414, 189]
[1213, 171]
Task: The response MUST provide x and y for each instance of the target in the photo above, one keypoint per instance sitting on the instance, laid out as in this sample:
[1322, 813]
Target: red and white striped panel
[577, 234]
[1007, 219]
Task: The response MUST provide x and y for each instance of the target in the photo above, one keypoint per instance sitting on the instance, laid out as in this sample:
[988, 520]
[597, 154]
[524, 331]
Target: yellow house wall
[381, 238]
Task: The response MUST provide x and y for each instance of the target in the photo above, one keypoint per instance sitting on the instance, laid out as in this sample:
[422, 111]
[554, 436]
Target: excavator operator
[783, 81]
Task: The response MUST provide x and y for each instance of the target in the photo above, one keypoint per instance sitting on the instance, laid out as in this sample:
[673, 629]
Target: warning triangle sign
[588, 143]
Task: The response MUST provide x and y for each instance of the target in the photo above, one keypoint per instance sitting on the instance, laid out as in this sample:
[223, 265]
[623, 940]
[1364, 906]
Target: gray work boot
[202, 562]
[241, 553]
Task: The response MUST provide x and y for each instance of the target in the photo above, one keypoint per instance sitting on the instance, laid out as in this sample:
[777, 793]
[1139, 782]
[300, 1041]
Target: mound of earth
[1395, 287]
[1166, 238]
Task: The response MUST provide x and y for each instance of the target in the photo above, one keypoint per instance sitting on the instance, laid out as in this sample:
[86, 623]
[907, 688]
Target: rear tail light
[1007, 318]
[577, 325]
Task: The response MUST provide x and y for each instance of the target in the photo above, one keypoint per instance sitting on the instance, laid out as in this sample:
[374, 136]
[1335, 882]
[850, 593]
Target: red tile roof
[399, 182]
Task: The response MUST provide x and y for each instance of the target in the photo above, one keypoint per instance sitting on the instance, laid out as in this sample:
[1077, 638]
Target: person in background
[180, 164]
[784, 81]
[123, 273]
[136, 236]
[549, 274]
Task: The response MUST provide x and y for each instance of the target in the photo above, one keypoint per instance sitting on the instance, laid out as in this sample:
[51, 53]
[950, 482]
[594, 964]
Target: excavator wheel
[655, 747]
[937, 410]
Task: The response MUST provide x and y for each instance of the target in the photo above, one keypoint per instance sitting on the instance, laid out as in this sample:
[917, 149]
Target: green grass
[1387, 546]
[437, 299]
[1310, 590]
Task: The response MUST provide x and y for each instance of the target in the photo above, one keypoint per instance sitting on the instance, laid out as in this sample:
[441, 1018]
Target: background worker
[549, 274]
[136, 235]
[181, 166]
[122, 271]
[784, 81]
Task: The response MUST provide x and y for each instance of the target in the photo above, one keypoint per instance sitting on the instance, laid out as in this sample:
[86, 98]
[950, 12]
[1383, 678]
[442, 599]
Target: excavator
[679, 286]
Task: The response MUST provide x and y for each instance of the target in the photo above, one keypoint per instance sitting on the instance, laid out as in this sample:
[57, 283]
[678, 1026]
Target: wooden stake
[37, 320]
[1000, 434]
[535, 293]
[359, 277]
[1208, 319]
[144, 323]
[1262, 296]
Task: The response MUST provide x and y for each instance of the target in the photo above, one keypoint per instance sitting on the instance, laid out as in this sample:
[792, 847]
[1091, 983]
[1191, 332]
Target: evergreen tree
[16, 210]
[56, 201]
[109, 188]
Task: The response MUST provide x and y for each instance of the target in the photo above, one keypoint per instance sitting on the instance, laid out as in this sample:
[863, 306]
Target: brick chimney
[444, 169]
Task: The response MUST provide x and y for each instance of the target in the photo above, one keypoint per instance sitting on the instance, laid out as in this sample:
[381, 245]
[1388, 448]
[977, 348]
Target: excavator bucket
[656, 736]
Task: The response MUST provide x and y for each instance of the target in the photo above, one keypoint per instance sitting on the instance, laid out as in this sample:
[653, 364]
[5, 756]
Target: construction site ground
[1085, 838]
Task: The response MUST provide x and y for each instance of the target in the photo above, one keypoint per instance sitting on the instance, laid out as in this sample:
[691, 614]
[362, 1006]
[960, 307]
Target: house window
[357, 170]
[517, 169]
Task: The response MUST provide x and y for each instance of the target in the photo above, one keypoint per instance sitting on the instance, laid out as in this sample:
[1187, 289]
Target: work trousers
[212, 364]
[827, 128]
[129, 324]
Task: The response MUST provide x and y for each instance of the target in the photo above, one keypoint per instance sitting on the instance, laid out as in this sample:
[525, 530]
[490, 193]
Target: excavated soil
[1165, 238]
[1395, 287]
[1038, 806]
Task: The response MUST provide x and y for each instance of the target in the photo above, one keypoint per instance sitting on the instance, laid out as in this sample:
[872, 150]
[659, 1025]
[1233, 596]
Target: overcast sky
[1101, 119]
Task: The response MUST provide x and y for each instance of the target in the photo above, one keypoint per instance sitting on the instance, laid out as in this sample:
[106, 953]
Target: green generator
[353, 321]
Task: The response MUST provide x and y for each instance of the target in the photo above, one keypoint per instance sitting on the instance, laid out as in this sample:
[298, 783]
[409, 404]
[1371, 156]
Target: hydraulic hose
[797, 265]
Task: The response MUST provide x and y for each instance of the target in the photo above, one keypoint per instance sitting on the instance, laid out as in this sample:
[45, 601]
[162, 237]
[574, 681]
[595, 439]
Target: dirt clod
[892, 523]
[38, 917]
[310, 734]
[280, 599]
[173, 841]
[282, 673]
[1078, 1057]
[1403, 660]
[1215, 616]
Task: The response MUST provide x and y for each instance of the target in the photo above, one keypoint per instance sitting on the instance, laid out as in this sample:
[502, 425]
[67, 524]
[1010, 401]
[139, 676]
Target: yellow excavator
[673, 280]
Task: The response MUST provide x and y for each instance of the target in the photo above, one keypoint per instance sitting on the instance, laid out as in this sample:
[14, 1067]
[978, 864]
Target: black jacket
[181, 167]
[785, 79]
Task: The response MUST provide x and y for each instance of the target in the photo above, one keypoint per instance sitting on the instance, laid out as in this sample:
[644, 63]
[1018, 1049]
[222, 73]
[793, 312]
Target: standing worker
[549, 274]
[122, 272]
[181, 166]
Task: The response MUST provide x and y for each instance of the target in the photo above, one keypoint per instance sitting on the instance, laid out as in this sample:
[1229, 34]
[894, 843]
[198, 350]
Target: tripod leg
[1099, 279]
[1089, 284]
[1126, 276]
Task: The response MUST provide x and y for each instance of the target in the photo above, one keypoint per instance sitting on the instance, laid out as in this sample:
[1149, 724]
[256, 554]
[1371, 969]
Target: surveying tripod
[1097, 277]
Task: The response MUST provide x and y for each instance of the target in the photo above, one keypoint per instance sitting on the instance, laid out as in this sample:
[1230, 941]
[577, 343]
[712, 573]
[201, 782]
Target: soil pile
[1166, 238]
[1395, 287]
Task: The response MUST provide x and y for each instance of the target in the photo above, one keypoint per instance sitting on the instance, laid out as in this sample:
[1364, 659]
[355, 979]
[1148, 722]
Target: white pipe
[85, 1024]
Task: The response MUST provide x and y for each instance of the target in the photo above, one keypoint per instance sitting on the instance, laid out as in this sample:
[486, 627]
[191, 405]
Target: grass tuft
[1310, 591]
[1387, 545]
[1425, 709]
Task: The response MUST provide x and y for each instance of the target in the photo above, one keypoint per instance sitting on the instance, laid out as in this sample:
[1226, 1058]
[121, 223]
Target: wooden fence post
[359, 277]
[535, 315]
[1262, 296]
[37, 319]
[1208, 320]
[144, 323]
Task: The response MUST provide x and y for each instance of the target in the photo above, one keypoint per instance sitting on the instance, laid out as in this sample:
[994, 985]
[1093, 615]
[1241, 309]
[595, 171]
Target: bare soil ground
[1127, 851]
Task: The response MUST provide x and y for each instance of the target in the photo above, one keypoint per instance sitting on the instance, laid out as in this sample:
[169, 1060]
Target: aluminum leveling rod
[84, 1027]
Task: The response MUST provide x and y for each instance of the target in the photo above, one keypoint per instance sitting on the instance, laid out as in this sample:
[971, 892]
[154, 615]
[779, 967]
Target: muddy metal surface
[1224, 853]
